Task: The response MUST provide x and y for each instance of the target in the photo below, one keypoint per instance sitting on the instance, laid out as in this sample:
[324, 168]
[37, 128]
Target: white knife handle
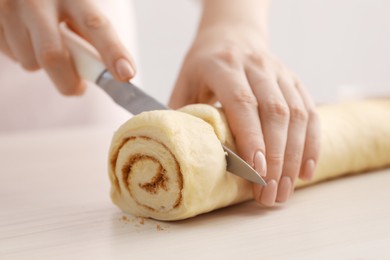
[86, 59]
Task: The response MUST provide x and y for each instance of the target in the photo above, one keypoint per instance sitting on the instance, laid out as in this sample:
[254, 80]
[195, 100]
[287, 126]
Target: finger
[88, 20]
[240, 106]
[181, 94]
[185, 93]
[295, 138]
[19, 42]
[274, 115]
[51, 52]
[4, 47]
[313, 137]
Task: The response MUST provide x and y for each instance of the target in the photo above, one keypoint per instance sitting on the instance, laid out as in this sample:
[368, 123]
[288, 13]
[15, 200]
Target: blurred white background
[339, 48]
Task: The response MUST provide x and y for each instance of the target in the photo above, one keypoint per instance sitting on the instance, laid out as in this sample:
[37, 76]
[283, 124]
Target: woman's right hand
[30, 34]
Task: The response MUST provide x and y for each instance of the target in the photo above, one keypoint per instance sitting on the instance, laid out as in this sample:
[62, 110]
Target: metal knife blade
[134, 100]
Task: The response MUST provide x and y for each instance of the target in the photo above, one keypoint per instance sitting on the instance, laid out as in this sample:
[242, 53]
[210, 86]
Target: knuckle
[263, 78]
[251, 134]
[95, 21]
[298, 113]
[277, 109]
[228, 55]
[244, 97]
[275, 159]
[258, 60]
[293, 158]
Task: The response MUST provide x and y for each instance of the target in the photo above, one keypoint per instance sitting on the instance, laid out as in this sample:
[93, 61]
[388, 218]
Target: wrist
[236, 15]
[231, 37]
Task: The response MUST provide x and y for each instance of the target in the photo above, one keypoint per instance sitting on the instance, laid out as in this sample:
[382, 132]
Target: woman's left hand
[271, 115]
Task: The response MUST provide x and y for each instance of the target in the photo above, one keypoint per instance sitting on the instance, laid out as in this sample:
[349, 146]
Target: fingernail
[124, 69]
[308, 170]
[260, 163]
[268, 196]
[284, 190]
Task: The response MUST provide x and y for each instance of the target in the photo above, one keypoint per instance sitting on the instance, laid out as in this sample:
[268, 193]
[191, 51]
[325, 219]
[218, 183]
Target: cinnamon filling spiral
[148, 171]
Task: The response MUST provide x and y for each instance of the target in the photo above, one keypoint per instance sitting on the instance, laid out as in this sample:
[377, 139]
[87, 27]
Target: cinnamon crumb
[142, 221]
[159, 228]
[125, 218]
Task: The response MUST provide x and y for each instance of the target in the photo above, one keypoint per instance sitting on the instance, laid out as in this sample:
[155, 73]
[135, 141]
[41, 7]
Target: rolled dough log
[169, 165]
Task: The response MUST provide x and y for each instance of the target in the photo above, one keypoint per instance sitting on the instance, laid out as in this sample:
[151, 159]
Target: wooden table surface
[54, 204]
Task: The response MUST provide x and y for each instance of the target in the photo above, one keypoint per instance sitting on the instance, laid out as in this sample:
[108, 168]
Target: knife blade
[89, 65]
[134, 100]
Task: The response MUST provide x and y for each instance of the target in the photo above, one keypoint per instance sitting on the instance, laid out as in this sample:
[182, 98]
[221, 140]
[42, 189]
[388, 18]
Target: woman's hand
[270, 113]
[29, 34]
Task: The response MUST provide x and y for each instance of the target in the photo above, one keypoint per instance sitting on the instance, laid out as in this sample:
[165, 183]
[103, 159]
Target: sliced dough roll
[170, 165]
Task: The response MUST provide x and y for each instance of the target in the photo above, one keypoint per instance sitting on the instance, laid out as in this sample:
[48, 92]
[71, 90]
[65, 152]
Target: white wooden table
[54, 204]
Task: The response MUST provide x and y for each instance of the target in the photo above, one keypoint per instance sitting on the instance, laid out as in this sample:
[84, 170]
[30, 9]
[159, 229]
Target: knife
[132, 98]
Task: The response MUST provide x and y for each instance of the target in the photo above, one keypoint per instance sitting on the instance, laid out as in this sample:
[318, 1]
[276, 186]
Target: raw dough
[169, 165]
[355, 138]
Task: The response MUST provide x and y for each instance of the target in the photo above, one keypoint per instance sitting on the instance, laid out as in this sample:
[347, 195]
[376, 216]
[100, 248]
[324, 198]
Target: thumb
[182, 94]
